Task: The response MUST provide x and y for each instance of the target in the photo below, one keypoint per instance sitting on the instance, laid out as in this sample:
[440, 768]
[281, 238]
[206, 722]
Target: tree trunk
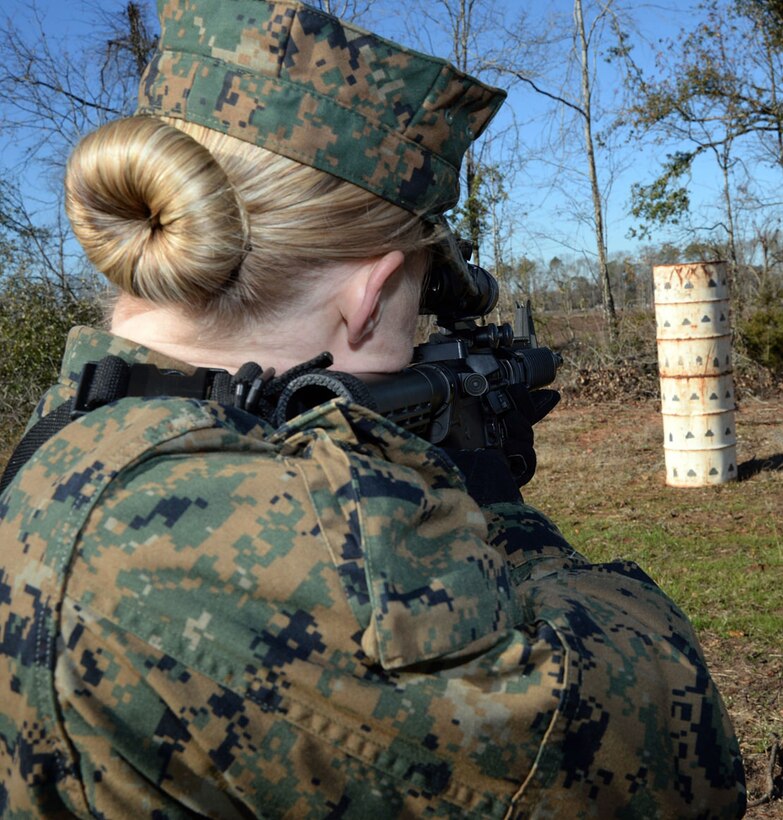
[734, 284]
[471, 205]
[138, 38]
[773, 94]
[598, 217]
[460, 15]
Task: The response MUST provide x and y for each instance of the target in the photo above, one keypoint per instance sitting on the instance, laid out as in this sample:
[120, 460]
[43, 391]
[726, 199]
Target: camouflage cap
[302, 83]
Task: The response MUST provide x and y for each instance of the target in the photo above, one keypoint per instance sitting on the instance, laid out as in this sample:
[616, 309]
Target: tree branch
[75, 97]
[772, 791]
[505, 70]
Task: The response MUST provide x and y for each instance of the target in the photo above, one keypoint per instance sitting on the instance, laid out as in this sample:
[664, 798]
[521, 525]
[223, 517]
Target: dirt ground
[751, 678]
[752, 686]
[625, 439]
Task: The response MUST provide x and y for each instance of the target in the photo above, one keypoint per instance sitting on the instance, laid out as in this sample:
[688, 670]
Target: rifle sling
[106, 381]
[251, 389]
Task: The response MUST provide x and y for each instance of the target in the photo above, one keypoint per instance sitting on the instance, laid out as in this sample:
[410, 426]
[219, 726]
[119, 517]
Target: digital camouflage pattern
[302, 83]
[205, 616]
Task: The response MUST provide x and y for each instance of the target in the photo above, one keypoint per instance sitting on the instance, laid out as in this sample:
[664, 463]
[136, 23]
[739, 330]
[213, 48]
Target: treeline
[571, 283]
[567, 298]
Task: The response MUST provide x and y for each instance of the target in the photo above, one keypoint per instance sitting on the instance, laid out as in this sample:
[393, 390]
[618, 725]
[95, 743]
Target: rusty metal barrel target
[693, 332]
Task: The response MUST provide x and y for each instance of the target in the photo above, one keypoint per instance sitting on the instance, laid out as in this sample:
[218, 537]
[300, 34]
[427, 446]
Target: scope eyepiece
[454, 295]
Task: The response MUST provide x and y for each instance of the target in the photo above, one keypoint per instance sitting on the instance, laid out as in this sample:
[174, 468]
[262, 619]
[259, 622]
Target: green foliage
[486, 191]
[663, 201]
[35, 317]
[715, 90]
[762, 336]
[767, 18]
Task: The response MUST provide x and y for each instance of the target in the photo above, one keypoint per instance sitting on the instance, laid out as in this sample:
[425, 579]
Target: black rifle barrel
[539, 366]
[420, 397]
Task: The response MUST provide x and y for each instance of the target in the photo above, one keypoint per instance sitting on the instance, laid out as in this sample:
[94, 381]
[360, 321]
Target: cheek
[409, 318]
[408, 336]
[414, 294]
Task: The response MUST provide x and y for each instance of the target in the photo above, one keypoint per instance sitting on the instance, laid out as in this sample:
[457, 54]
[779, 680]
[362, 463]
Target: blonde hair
[181, 215]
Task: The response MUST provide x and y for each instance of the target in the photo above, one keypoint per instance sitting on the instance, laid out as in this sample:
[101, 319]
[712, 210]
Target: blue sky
[548, 224]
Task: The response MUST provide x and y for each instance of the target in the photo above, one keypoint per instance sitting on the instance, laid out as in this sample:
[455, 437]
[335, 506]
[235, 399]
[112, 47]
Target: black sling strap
[103, 382]
[251, 389]
[42, 430]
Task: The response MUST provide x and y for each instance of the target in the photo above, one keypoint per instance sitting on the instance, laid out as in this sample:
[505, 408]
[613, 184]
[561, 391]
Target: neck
[280, 345]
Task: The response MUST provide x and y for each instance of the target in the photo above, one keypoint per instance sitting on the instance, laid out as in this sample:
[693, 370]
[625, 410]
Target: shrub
[761, 336]
[35, 317]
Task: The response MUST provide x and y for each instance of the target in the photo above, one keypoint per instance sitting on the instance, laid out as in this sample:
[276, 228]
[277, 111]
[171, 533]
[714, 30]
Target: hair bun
[155, 212]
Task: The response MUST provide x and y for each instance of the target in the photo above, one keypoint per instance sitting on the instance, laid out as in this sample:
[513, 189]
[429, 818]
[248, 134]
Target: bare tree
[568, 85]
[715, 95]
[131, 39]
[583, 50]
[51, 94]
[353, 10]
[467, 32]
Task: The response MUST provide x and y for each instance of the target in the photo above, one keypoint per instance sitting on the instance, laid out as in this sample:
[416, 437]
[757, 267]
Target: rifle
[456, 391]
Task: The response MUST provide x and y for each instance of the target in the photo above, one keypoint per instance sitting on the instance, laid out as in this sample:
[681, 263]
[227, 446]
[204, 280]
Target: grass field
[717, 551]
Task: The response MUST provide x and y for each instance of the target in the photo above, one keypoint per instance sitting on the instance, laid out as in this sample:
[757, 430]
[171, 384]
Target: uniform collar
[86, 344]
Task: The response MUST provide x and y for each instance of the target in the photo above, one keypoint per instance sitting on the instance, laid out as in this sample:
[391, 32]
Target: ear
[363, 306]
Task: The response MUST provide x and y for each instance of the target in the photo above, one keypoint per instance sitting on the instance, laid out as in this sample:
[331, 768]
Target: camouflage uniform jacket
[204, 616]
